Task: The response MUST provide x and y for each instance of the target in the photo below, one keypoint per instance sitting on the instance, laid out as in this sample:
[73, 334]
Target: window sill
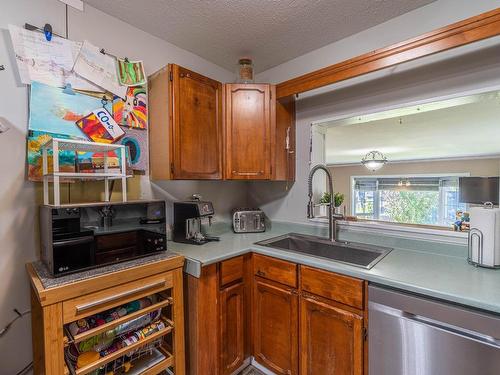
[402, 231]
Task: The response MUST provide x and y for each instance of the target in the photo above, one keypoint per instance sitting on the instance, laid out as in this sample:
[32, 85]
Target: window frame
[376, 198]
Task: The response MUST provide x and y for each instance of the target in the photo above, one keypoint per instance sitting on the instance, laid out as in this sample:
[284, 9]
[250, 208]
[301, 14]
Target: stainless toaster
[248, 220]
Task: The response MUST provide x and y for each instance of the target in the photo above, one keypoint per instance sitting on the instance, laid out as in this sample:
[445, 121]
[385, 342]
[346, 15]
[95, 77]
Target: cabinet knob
[261, 273]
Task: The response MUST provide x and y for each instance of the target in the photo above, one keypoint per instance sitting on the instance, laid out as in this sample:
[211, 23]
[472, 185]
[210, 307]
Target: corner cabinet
[185, 125]
[232, 327]
[293, 319]
[275, 326]
[250, 124]
[201, 129]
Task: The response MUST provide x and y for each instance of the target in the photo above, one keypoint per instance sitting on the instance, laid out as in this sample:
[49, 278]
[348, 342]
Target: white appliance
[484, 237]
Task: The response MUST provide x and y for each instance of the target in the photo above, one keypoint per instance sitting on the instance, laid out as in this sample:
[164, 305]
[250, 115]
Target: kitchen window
[425, 200]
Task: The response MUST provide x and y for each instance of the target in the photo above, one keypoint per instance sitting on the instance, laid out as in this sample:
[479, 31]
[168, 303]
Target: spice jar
[245, 70]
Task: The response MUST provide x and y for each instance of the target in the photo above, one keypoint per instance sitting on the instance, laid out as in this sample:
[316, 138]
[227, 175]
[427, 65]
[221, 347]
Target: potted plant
[324, 202]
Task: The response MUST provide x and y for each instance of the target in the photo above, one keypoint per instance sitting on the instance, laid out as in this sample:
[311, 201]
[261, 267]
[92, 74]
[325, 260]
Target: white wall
[18, 207]
[439, 75]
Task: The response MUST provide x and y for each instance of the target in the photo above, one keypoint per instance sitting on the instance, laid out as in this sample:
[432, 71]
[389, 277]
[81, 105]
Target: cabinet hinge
[172, 168]
[171, 76]
[365, 334]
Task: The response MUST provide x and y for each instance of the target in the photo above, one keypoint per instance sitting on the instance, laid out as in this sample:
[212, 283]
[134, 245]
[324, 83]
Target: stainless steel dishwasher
[412, 335]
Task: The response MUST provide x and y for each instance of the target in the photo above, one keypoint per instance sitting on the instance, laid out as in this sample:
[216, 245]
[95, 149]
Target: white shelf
[77, 145]
[58, 144]
[96, 175]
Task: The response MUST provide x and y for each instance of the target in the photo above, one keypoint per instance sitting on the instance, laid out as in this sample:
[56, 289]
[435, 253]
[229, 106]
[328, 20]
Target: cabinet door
[232, 328]
[196, 114]
[331, 339]
[249, 130]
[275, 327]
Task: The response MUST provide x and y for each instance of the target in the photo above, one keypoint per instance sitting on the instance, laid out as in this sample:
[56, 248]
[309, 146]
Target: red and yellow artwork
[133, 110]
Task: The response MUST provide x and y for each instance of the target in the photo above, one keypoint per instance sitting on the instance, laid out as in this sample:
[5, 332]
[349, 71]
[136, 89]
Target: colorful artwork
[53, 111]
[99, 126]
[35, 141]
[131, 73]
[133, 111]
[137, 142]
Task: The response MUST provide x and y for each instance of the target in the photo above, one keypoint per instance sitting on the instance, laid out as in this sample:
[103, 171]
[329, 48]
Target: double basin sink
[354, 254]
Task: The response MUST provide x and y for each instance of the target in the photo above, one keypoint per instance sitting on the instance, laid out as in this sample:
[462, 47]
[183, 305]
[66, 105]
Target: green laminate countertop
[434, 269]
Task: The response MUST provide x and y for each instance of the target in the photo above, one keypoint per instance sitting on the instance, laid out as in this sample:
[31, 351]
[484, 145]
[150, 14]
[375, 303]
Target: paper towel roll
[487, 221]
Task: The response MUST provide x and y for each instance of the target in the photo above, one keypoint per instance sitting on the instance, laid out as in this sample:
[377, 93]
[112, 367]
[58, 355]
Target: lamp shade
[374, 160]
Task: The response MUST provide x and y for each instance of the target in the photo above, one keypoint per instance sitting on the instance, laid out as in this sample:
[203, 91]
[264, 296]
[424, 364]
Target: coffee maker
[188, 217]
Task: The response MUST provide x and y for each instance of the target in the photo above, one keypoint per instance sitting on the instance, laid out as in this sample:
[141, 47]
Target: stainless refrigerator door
[411, 335]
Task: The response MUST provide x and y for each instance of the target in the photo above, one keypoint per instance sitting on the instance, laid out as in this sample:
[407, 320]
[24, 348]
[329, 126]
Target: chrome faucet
[332, 216]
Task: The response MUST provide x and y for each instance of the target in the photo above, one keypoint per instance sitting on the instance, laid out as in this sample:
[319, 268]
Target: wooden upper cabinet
[185, 125]
[331, 339]
[197, 125]
[275, 324]
[250, 129]
[202, 130]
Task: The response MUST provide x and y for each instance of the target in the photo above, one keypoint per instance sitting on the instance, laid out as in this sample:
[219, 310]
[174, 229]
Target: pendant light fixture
[374, 160]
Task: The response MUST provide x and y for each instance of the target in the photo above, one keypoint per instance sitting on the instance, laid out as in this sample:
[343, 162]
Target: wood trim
[201, 301]
[470, 30]
[178, 318]
[160, 150]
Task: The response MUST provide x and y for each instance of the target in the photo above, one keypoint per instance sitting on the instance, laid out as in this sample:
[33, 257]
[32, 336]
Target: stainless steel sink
[354, 254]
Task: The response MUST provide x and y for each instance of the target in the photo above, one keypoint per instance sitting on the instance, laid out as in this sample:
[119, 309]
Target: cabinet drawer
[340, 288]
[116, 240]
[275, 269]
[115, 255]
[92, 303]
[231, 270]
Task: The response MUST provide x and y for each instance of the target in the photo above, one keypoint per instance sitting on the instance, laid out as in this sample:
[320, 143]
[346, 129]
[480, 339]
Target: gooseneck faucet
[332, 217]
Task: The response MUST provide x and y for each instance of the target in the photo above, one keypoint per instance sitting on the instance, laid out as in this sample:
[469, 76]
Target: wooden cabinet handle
[260, 273]
[105, 300]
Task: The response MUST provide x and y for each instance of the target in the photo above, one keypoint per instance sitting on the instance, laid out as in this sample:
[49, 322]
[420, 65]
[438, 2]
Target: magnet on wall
[47, 30]
[2, 67]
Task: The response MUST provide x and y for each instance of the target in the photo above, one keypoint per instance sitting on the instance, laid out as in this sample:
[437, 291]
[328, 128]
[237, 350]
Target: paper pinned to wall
[131, 73]
[51, 63]
[99, 68]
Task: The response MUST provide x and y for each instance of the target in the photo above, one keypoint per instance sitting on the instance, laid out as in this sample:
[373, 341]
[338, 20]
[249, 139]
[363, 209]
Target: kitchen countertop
[48, 281]
[433, 269]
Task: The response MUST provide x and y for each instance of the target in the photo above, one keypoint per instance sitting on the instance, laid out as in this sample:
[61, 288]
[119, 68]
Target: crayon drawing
[131, 73]
[35, 141]
[99, 126]
[133, 111]
[137, 142]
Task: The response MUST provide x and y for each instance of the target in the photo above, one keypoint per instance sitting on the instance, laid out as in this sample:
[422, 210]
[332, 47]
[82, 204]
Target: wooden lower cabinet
[331, 339]
[292, 319]
[232, 328]
[275, 319]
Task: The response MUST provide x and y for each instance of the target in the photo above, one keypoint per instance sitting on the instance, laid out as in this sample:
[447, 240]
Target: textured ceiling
[269, 31]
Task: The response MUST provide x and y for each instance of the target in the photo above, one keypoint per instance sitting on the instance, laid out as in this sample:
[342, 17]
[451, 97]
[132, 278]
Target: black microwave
[81, 237]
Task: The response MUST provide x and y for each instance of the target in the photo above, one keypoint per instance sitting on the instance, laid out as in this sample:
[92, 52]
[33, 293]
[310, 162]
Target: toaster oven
[248, 220]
